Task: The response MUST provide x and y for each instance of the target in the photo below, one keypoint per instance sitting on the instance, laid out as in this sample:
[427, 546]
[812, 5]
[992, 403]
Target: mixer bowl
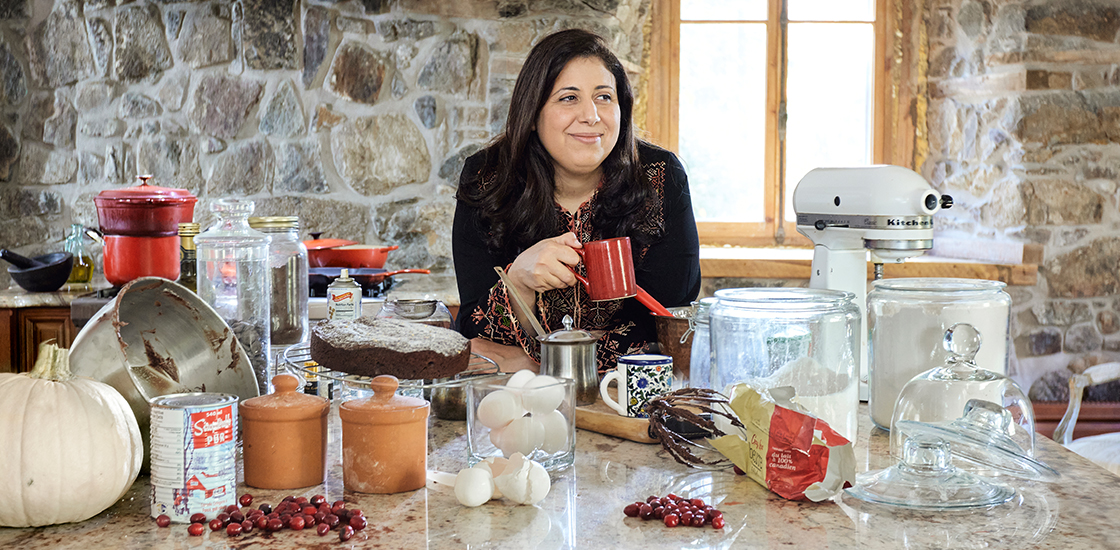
[157, 338]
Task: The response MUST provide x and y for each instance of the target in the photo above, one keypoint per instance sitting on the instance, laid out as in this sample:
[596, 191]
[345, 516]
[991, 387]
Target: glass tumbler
[522, 413]
[800, 337]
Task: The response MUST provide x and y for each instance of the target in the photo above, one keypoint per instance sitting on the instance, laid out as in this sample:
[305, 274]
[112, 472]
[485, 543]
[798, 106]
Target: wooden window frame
[894, 91]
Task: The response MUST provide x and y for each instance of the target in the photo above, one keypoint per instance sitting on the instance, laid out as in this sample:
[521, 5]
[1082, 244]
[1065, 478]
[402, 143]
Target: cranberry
[697, 502]
[224, 518]
[345, 533]
[302, 501]
[671, 520]
[196, 530]
[265, 507]
[671, 496]
[216, 524]
[233, 529]
[319, 517]
[357, 512]
[337, 507]
[162, 520]
[322, 529]
[296, 523]
[236, 516]
[659, 512]
[739, 471]
[230, 509]
[246, 526]
[245, 499]
[198, 518]
[309, 510]
[645, 511]
[261, 523]
[288, 498]
[651, 498]
[717, 522]
[715, 514]
[275, 524]
[697, 521]
[338, 502]
[318, 500]
[631, 510]
[357, 522]
[308, 520]
[273, 515]
[686, 518]
[331, 520]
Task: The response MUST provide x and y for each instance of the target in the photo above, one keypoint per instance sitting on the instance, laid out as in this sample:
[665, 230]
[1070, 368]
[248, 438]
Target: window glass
[723, 10]
[830, 10]
[722, 119]
[829, 99]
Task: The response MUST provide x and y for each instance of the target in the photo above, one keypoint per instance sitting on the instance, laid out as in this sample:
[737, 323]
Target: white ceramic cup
[639, 379]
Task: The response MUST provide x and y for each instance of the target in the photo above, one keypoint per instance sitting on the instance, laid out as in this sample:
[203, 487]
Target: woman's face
[578, 124]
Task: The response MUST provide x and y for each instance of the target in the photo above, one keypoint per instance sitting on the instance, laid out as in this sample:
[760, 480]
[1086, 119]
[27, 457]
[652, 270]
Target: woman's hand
[545, 265]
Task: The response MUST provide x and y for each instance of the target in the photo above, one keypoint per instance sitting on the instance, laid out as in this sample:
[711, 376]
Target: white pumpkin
[69, 447]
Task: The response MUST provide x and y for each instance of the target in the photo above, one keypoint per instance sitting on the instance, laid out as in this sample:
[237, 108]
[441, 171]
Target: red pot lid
[145, 194]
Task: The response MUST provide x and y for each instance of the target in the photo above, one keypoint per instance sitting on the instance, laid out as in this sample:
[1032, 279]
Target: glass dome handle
[962, 341]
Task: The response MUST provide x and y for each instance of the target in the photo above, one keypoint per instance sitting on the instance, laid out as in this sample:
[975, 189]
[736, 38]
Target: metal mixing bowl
[158, 338]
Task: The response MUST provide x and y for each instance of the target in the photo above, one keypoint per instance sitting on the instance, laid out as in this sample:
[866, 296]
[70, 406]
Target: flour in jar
[907, 335]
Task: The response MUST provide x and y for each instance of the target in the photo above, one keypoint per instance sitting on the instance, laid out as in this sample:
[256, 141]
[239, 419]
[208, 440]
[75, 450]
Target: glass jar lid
[784, 299]
[274, 222]
[938, 285]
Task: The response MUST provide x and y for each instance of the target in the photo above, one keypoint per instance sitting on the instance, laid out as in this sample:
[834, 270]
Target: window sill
[794, 263]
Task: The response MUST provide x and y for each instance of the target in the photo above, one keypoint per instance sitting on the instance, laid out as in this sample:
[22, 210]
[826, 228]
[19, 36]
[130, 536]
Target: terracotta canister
[384, 440]
[284, 436]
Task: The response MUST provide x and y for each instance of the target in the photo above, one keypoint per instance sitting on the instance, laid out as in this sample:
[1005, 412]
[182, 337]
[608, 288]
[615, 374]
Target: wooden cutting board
[602, 419]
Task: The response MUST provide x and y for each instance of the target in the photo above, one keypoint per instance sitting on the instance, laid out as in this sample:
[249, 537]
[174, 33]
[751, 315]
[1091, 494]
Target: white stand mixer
[848, 211]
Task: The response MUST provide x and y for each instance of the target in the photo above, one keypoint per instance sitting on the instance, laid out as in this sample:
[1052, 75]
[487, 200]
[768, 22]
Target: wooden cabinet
[23, 329]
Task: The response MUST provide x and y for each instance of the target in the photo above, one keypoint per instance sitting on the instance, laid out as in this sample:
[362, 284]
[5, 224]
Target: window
[752, 94]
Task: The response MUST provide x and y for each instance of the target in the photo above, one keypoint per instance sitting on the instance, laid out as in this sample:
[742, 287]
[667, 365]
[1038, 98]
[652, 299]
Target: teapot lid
[568, 335]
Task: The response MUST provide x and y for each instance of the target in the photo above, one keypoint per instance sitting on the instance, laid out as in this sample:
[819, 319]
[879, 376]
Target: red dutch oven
[141, 227]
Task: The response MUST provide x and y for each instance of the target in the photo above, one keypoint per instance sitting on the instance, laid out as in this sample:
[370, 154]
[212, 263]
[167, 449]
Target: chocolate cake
[370, 346]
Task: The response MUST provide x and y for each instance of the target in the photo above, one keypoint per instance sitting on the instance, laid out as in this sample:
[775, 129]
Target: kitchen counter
[584, 510]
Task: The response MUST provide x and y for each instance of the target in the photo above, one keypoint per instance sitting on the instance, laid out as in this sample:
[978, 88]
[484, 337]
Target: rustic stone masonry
[354, 115]
[1024, 132]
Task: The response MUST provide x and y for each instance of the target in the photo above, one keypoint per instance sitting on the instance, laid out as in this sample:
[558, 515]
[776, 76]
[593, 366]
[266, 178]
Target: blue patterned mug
[640, 378]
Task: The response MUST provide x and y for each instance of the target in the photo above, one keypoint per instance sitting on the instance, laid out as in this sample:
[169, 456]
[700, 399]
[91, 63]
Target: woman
[567, 170]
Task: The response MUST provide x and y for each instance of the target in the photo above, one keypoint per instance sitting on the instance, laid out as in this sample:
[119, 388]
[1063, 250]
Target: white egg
[523, 481]
[498, 409]
[496, 435]
[519, 378]
[474, 486]
[556, 429]
[542, 395]
[524, 435]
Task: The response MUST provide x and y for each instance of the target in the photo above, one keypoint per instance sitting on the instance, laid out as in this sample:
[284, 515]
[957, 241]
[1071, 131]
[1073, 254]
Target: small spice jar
[284, 437]
[384, 440]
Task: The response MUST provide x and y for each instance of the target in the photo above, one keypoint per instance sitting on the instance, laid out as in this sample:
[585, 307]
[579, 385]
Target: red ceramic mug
[610, 273]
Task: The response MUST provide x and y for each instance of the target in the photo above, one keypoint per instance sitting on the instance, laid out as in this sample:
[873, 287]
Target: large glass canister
[906, 321]
[287, 265]
[800, 337]
[233, 277]
[700, 363]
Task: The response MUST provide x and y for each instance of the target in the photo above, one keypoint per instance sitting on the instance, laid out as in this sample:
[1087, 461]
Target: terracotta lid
[286, 404]
[145, 194]
[385, 407]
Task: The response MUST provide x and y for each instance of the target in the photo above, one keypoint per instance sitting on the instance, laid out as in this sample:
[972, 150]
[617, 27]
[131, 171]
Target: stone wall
[354, 115]
[1024, 132]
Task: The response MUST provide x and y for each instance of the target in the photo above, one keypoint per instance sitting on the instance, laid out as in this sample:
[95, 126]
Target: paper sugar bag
[786, 449]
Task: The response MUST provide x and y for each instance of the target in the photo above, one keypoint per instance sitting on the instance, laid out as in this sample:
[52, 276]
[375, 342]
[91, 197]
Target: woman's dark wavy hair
[516, 207]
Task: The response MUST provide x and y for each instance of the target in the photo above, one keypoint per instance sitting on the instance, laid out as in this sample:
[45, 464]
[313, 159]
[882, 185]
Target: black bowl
[47, 278]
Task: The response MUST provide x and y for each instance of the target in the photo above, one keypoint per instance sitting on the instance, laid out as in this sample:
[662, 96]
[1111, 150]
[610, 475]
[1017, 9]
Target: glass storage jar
[700, 359]
[800, 337]
[906, 321]
[287, 266]
[233, 277]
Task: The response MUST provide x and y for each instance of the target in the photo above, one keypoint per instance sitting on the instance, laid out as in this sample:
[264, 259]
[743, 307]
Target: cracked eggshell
[474, 486]
[495, 465]
[523, 481]
[542, 395]
[524, 435]
[556, 431]
[498, 408]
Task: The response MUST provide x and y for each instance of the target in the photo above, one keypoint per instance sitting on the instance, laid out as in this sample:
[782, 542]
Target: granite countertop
[584, 510]
[16, 297]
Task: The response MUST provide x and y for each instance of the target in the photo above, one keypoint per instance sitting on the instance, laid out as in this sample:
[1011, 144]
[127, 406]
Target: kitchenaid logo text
[900, 222]
[211, 428]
